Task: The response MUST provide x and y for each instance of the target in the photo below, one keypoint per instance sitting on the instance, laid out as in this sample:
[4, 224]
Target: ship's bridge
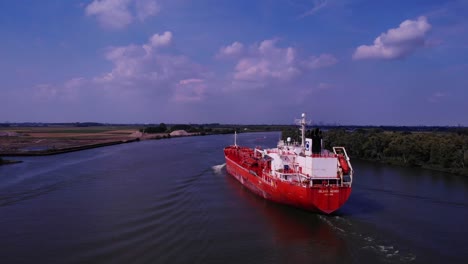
[320, 166]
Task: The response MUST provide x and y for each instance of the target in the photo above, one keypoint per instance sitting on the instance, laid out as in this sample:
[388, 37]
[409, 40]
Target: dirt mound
[178, 133]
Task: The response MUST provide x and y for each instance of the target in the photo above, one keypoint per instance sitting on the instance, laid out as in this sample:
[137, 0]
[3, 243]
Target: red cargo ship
[301, 175]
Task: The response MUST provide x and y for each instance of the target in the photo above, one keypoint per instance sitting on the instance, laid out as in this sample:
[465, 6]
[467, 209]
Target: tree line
[201, 129]
[434, 150]
[445, 151]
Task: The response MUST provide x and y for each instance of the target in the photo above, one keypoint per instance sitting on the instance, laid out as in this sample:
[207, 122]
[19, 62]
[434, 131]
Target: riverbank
[8, 162]
[39, 141]
[53, 141]
[438, 151]
[54, 151]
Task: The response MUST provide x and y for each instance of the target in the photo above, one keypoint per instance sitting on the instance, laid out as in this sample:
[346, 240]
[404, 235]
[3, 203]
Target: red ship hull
[325, 198]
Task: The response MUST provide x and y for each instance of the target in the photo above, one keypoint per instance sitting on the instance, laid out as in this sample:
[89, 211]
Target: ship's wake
[218, 168]
[366, 242]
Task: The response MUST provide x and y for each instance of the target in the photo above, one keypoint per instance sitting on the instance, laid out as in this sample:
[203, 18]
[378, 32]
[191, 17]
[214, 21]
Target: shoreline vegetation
[436, 148]
[445, 151]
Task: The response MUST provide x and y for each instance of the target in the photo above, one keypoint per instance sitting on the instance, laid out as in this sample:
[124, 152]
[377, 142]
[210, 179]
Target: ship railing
[323, 155]
[295, 177]
[287, 176]
[310, 181]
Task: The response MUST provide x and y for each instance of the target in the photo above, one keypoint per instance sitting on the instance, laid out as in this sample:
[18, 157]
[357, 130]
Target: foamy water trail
[217, 168]
[382, 247]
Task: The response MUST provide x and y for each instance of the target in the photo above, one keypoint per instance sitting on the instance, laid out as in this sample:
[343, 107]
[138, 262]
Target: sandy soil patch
[41, 139]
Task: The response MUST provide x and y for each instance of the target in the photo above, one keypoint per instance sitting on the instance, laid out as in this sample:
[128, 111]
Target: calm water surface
[171, 201]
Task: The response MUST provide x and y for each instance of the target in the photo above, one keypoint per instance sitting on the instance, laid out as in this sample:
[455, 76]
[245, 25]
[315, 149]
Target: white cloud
[44, 92]
[398, 42]
[233, 50]
[267, 61]
[318, 4]
[72, 87]
[117, 14]
[436, 97]
[142, 75]
[113, 14]
[161, 40]
[74, 82]
[147, 69]
[324, 86]
[313, 90]
[67, 92]
[146, 8]
[190, 90]
[322, 61]
[190, 81]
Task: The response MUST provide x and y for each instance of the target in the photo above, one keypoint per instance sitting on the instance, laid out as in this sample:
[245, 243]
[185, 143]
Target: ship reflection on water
[300, 235]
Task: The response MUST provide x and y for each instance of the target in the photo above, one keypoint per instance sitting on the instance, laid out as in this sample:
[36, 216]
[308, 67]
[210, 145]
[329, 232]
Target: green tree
[163, 127]
[465, 159]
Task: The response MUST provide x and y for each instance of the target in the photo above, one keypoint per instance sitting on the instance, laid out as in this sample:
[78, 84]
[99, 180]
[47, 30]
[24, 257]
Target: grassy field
[23, 140]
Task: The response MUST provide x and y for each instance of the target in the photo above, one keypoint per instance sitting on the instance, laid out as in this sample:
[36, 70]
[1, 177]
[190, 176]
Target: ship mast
[303, 123]
[235, 138]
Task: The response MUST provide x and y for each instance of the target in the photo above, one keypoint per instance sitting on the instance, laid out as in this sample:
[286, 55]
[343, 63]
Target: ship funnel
[317, 141]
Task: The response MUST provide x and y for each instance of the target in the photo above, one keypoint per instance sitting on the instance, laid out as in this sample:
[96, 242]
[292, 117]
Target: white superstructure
[294, 162]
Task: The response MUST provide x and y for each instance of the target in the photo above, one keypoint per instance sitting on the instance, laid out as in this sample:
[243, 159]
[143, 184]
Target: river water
[171, 201]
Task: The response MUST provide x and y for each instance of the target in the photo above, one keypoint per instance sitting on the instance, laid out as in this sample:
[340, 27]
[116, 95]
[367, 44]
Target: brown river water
[171, 201]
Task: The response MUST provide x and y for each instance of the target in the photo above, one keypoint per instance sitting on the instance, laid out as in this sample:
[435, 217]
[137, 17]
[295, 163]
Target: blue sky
[148, 61]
